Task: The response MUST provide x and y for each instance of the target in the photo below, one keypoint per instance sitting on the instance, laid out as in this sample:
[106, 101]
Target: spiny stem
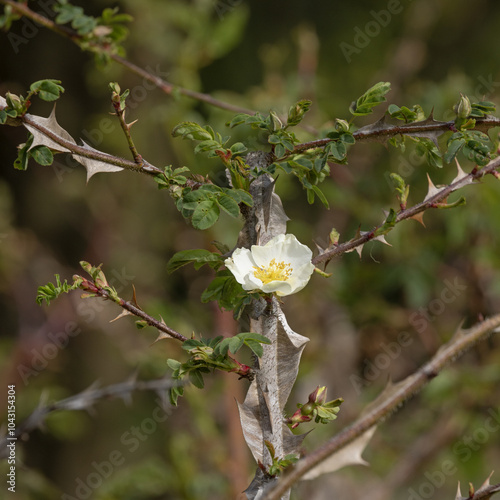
[408, 213]
[401, 392]
[380, 132]
[120, 113]
[241, 369]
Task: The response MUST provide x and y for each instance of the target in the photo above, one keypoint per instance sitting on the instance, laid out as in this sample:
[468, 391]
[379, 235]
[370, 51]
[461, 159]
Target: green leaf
[372, 97]
[321, 196]
[229, 205]
[338, 150]
[191, 130]
[198, 257]
[21, 162]
[240, 196]
[237, 148]
[205, 215]
[173, 364]
[42, 155]
[209, 145]
[296, 112]
[196, 379]
[482, 108]
[47, 90]
[235, 343]
[175, 393]
[454, 147]
[255, 347]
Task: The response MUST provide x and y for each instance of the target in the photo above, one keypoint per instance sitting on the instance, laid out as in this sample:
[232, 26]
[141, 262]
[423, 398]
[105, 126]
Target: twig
[462, 341]
[167, 87]
[120, 114]
[408, 213]
[85, 401]
[242, 370]
[374, 133]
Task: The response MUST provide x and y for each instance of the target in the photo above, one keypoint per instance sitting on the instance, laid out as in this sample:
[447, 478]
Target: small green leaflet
[372, 97]
[198, 257]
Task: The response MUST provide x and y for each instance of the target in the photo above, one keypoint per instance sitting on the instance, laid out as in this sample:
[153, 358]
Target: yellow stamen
[274, 272]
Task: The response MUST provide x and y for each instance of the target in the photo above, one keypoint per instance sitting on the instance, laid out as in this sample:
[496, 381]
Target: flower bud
[463, 108]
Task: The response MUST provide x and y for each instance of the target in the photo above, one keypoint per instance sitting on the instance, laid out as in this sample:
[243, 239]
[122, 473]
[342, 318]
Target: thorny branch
[389, 401]
[243, 370]
[86, 399]
[431, 202]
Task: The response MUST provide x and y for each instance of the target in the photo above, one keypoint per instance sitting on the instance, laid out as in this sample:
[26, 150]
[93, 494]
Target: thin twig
[242, 370]
[120, 114]
[167, 87]
[462, 341]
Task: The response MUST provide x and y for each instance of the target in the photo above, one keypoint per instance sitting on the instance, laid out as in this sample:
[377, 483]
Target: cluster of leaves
[201, 203]
[14, 106]
[106, 31]
[214, 145]
[47, 90]
[207, 355]
[476, 146]
[51, 291]
[279, 135]
[279, 464]
[316, 408]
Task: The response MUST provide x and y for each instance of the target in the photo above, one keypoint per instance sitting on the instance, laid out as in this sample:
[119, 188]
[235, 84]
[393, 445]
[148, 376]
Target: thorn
[129, 125]
[433, 190]
[161, 336]
[487, 482]
[320, 248]
[121, 315]
[419, 218]
[382, 239]
[134, 297]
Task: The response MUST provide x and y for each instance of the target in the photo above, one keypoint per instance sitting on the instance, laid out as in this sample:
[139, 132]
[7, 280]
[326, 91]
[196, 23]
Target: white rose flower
[282, 266]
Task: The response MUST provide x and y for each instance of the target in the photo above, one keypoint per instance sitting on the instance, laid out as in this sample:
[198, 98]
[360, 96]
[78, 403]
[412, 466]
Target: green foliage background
[260, 55]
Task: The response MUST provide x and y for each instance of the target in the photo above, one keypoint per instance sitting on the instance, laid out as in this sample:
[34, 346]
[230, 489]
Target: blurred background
[377, 318]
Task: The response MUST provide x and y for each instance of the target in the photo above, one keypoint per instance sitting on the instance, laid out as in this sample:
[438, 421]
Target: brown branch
[374, 133]
[389, 403]
[167, 87]
[432, 202]
[241, 369]
[85, 400]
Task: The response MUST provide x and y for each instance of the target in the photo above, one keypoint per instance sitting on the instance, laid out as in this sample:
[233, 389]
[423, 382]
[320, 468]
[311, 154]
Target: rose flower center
[275, 271]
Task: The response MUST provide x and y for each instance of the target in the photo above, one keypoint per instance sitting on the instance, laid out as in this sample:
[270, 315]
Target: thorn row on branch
[242, 370]
[86, 399]
[374, 133]
[408, 213]
[389, 401]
